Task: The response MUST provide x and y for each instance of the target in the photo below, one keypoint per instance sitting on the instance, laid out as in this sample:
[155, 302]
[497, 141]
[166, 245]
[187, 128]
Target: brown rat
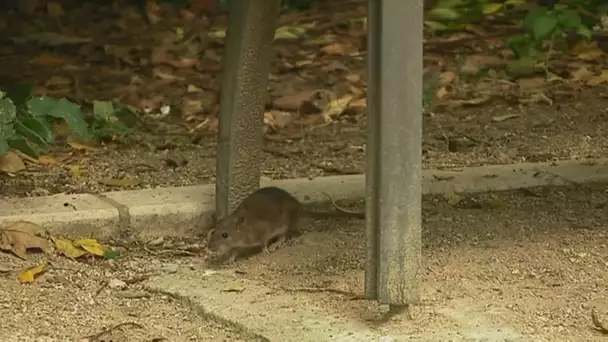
[266, 214]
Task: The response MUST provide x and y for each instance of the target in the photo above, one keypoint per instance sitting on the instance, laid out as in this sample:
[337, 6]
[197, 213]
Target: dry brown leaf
[21, 236]
[47, 160]
[275, 120]
[532, 83]
[11, 163]
[48, 60]
[441, 93]
[473, 64]
[447, 78]
[358, 104]
[599, 79]
[334, 49]
[581, 74]
[292, 102]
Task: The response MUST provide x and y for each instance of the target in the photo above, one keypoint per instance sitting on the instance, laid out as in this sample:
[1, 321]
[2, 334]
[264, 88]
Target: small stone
[117, 284]
[169, 268]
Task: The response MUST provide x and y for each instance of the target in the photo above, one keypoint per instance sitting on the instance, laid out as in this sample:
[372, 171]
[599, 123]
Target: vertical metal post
[246, 64]
[393, 171]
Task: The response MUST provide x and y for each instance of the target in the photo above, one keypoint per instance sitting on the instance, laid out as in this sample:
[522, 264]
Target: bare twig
[95, 337]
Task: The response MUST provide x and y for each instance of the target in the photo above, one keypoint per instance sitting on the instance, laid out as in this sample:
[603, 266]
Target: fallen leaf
[358, 104]
[48, 60]
[119, 182]
[451, 197]
[447, 78]
[334, 49]
[50, 39]
[67, 248]
[11, 163]
[91, 246]
[290, 32]
[581, 74]
[275, 120]
[75, 172]
[292, 102]
[532, 83]
[54, 10]
[31, 273]
[599, 79]
[184, 63]
[336, 108]
[80, 146]
[20, 237]
[47, 160]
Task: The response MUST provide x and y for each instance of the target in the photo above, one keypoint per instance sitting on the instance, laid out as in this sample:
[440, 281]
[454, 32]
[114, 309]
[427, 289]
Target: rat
[266, 214]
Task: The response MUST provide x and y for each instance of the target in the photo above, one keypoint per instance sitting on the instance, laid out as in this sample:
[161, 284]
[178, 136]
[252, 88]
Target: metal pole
[394, 151]
[246, 64]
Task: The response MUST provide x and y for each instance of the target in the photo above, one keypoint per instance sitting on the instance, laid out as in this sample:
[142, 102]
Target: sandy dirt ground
[534, 260]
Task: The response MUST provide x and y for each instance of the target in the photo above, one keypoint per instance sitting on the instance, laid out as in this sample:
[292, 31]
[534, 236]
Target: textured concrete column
[393, 171]
[251, 28]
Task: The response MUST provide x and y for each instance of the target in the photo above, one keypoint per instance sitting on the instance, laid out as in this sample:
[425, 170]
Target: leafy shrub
[26, 121]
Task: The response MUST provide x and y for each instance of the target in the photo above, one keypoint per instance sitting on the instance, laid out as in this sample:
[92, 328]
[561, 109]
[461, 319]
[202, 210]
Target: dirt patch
[74, 300]
[530, 261]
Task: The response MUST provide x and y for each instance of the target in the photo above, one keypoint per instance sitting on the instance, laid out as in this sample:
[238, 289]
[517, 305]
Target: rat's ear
[240, 221]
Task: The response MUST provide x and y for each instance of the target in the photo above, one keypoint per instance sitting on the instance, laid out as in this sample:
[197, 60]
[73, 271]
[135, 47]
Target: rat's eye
[225, 235]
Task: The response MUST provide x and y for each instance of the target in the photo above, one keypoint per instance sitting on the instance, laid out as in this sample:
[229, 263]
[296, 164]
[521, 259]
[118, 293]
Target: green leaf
[41, 106]
[585, 32]
[71, 114]
[435, 26]
[35, 129]
[444, 13]
[544, 26]
[110, 254]
[8, 112]
[533, 16]
[569, 19]
[25, 146]
[19, 93]
[103, 110]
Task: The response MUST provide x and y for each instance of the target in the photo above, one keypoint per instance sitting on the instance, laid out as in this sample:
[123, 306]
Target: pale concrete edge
[187, 210]
[208, 314]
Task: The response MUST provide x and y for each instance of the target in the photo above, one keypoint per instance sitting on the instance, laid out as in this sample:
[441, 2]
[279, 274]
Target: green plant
[545, 21]
[26, 120]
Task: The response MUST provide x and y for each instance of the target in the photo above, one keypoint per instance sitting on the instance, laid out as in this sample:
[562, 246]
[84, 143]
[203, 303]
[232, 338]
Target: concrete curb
[147, 214]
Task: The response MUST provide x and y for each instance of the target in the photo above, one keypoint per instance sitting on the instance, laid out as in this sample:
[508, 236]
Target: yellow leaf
[47, 160]
[492, 8]
[78, 146]
[75, 171]
[67, 248]
[451, 197]
[54, 9]
[91, 246]
[336, 107]
[30, 274]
